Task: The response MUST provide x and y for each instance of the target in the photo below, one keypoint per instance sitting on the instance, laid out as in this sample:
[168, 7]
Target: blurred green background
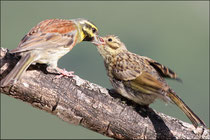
[174, 33]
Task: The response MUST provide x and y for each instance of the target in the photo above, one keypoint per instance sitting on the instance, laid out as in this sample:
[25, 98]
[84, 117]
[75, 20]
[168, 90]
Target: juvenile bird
[48, 41]
[139, 78]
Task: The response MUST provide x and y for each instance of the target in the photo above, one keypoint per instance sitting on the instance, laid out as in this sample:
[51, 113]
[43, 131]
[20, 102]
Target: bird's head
[110, 45]
[88, 31]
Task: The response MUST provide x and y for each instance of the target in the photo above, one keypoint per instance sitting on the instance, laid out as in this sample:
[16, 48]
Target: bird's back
[131, 65]
[44, 31]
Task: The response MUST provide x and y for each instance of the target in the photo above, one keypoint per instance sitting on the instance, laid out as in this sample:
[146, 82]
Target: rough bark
[80, 102]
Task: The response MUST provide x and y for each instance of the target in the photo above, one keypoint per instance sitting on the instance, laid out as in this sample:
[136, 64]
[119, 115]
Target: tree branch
[80, 102]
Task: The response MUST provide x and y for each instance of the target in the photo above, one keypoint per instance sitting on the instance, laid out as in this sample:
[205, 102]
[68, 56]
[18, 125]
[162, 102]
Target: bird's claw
[63, 72]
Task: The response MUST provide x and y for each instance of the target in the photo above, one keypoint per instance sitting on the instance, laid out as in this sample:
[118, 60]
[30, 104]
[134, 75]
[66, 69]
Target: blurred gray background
[174, 33]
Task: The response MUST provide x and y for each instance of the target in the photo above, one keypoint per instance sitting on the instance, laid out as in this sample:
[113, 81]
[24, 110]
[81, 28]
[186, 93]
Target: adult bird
[139, 78]
[48, 41]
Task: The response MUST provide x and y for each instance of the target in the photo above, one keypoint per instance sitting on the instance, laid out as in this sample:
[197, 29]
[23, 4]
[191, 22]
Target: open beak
[98, 41]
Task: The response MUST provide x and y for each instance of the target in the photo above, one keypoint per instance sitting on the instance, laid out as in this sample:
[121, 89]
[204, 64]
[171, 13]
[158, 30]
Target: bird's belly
[51, 56]
[136, 96]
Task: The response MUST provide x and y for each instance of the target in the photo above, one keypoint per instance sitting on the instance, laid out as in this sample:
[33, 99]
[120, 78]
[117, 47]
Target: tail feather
[18, 70]
[189, 113]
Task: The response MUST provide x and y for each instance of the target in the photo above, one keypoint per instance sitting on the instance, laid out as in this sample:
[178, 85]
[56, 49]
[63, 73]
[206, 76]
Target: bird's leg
[63, 72]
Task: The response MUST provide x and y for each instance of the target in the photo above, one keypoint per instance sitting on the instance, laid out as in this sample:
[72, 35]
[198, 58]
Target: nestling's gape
[47, 42]
[139, 78]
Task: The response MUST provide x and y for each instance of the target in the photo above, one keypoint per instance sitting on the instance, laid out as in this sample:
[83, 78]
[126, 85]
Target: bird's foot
[63, 72]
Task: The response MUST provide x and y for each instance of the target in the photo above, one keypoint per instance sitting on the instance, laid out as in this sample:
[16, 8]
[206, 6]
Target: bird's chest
[109, 65]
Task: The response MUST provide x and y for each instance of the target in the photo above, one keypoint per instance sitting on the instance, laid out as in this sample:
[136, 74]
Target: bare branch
[80, 102]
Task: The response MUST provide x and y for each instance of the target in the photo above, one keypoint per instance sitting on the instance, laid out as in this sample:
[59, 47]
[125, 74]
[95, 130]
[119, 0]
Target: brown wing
[49, 33]
[162, 70]
[147, 83]
[136, 73]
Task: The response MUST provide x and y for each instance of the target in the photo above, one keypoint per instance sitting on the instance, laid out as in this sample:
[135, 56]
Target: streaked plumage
[140, 78]
[48, 42]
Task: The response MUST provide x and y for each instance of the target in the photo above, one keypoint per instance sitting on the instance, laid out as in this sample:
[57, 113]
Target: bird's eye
[109, 39]
[94, 30]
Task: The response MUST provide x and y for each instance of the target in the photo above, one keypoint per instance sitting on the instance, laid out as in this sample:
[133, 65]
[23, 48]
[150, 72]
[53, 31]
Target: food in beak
[98, 41]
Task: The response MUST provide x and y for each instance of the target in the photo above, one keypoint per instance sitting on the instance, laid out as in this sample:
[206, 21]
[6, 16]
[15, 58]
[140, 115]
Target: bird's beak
[98, 41]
